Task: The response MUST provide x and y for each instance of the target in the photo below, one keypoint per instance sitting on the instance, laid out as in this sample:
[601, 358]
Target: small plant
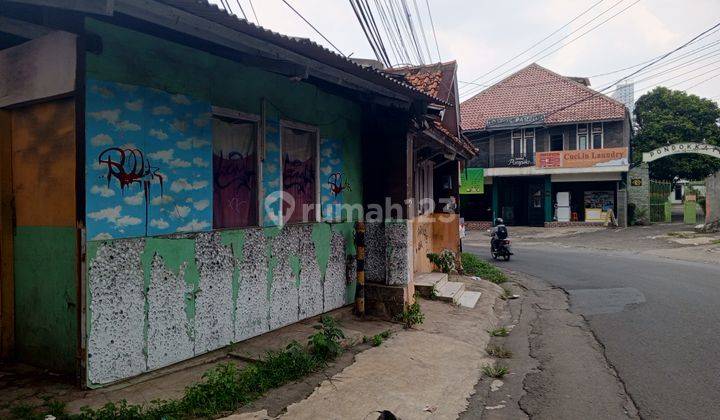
[499, 332]
[433, 293]
[474, 266]
[497, 371]
[325, 344]
[444, 261]
[507, 294]
[412, 315]
[499, 352]
[378, 339]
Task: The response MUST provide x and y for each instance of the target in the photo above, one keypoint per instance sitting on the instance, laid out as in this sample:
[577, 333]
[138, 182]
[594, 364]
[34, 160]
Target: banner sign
[677, 148]
[472, 181]
[516, 121]
[617, 156]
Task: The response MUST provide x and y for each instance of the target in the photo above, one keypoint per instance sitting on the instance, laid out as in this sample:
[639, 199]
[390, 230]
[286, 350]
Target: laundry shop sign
[680, 148]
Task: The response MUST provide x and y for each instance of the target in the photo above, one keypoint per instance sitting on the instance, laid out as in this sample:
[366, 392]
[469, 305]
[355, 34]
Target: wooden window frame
[257, 120]
[312, 129]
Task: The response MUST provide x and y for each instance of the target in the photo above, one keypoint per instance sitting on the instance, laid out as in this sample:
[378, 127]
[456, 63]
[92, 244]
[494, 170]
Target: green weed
[497, 371]
[499, 332]
[474, 266]
[412, 315]
[499, 352]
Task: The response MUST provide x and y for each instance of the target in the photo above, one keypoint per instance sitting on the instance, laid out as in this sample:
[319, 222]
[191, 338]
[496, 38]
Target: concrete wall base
[387, 302]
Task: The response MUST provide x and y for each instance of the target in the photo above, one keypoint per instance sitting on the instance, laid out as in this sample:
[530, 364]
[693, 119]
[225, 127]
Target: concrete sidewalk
[430, 371]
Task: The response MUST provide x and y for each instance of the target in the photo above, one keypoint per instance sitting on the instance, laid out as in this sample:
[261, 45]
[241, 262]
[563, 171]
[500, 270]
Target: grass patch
[716, 242]
[499, 332]
[497, 371]
[499, 352]
[377, 339]
[474, 266]
[412, 315]
[222, 389]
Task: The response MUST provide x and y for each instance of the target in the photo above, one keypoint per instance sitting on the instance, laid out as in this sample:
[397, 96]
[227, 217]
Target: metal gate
[660, 210]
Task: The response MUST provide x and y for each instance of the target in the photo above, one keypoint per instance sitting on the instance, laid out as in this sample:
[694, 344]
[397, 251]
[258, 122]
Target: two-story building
[552, 150]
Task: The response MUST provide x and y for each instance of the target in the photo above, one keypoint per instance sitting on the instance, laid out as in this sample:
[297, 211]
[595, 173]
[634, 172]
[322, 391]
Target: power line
[432, 24]
[422, 30]
[375, 30]
[539, 42]
[700, 83]
[531, 58]
[313, 27]
[241, 9]
[394, 46]
[368, 36]
[253, 10]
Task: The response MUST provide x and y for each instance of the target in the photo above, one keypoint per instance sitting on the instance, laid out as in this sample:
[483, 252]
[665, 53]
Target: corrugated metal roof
[303, 46]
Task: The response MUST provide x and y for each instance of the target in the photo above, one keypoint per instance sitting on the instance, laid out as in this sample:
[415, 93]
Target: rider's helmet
[499, 221]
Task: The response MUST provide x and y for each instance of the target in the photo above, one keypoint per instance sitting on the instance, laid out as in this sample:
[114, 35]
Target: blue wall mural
[332, 179]
[271, 174]
[149, 157]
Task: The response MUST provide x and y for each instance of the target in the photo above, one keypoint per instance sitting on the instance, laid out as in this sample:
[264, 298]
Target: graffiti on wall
[149, 162]
[331, 167]
[271, 174]
[234, 174]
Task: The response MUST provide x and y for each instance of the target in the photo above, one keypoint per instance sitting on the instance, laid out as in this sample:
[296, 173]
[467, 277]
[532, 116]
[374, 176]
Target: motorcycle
[500, 248]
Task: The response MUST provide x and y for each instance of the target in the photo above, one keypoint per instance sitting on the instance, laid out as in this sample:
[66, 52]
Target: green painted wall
[46, 327]
[138, 59]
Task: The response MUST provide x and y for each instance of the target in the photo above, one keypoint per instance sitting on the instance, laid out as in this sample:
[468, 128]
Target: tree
[665, 116]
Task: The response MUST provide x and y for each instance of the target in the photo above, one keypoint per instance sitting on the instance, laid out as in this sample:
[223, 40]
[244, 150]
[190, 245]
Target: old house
[175, 180]
[551, 149]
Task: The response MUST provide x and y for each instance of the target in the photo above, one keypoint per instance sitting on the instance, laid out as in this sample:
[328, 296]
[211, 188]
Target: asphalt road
[658, 319]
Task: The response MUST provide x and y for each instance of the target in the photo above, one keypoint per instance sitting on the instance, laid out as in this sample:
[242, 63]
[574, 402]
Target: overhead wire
[241, 9]
[368, 36]
[538, 42]
[313, 27]
[252, 7]
[422, 30]
[432, 24]
[533, 57]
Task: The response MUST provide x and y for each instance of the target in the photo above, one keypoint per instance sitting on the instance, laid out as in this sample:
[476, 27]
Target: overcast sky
[481, 35]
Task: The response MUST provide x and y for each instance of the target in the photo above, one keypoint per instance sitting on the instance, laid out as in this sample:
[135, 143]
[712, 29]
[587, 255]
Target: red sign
[616, 156]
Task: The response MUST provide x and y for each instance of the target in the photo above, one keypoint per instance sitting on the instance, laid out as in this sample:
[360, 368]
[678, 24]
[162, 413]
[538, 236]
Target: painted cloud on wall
[165, 146]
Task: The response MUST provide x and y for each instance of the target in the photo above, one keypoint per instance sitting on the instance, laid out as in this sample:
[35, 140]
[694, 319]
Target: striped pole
[360, 260]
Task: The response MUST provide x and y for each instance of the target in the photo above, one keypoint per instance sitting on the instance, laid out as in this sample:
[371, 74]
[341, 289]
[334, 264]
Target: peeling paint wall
[156, 301]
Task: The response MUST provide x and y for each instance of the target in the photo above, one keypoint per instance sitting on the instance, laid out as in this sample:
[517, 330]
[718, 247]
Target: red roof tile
[537, 90]
[433, 79]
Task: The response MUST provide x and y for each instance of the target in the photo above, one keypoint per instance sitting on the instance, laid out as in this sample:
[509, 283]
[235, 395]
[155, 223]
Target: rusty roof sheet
[303, 46]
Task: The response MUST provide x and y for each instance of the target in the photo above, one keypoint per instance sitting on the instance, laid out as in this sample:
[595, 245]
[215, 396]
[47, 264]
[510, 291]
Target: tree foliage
[667, 116]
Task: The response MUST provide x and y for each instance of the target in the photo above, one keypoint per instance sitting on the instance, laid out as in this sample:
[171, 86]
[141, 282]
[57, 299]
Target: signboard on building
[677, 148]
[617, 156]
[636, 182]
[515, 121]
[472, 181]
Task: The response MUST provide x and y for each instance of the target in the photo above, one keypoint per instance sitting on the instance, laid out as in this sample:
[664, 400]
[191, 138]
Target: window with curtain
[299, 154]
[235, 180]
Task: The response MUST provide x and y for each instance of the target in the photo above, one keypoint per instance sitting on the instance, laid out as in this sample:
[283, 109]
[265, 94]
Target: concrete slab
[450, 291]
[425, 282]
[468, 299]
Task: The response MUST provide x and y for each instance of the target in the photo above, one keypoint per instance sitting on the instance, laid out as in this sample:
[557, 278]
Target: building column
[548, 199]
[495, 199]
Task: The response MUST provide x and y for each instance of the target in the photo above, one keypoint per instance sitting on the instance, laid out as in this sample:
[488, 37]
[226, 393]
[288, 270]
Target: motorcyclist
[498, 233]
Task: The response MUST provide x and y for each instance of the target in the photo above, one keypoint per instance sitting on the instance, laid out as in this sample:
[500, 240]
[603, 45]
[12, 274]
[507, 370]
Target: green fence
[659, 201]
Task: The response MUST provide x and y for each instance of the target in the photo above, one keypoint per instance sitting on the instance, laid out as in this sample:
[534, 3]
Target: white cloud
[161, 199]
[270, 167]
[201, 205]
[102, 191]
[182, 184]
[202, 120]
[180, 212]
[159, 223]
[111, 116]
[326, 152]
[179, 163]
[101, 140]
[334, 161]
[103, 236]
[112, 215]
[163, 155]
[180, 99]
[127, 126]
[327, 170]
[135, 199]
[198, 161]
[162, 110]
[103, 91]
[136, 105]
[179, 125]
[194, 226]
[158, 134]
